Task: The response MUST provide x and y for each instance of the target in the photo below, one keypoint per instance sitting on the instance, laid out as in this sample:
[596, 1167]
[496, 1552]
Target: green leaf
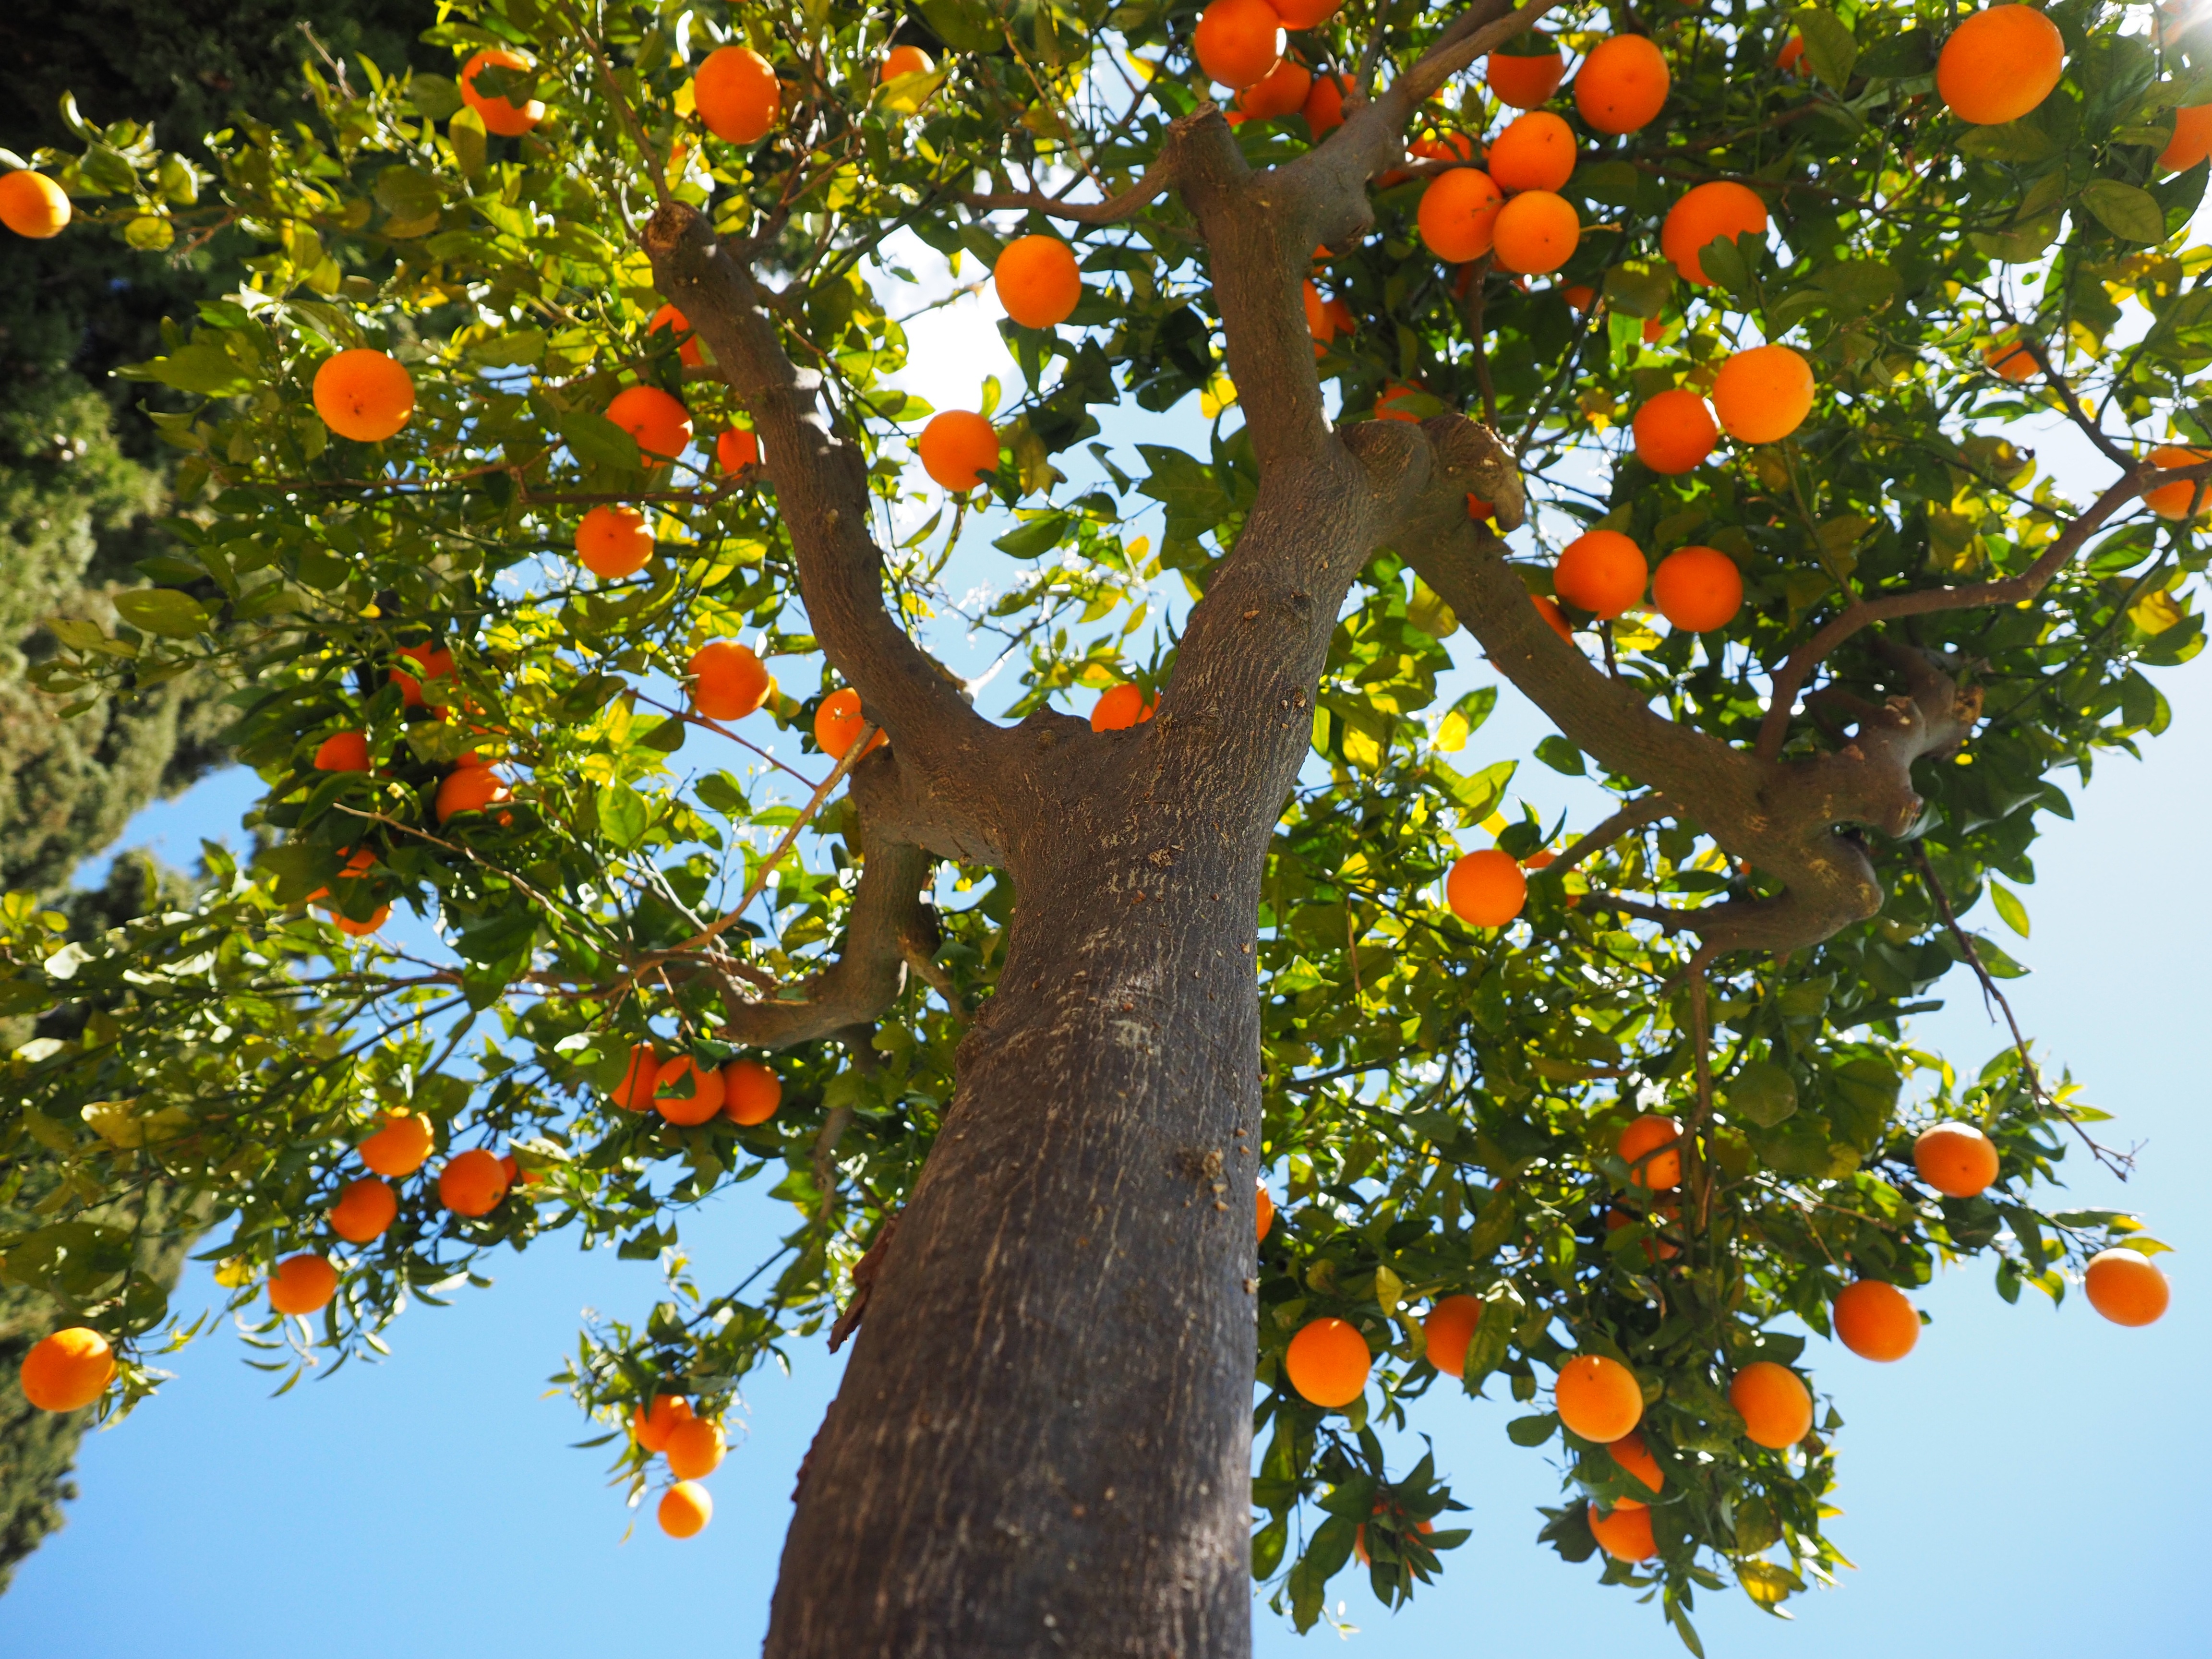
[435, 96]
[162, 611]
[1532, 1431]
[2131, 214]
[1561, 756]
[1830, 48]
[2008, 907]
[201, 367]
[594, 439]
[1762, 1092]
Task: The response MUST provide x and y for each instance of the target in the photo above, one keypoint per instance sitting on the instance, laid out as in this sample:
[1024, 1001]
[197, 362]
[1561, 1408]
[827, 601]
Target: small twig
[1700, 1036]
[1633, 816]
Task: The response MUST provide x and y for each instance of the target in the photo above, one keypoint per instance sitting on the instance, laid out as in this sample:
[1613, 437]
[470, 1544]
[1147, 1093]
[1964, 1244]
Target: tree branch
[1158, 179]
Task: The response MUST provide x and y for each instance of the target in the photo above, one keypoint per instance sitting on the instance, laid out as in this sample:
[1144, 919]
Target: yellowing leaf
[2155, 613]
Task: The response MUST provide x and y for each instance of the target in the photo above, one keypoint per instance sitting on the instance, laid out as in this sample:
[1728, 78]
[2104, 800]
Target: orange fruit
[838, 721]
[2173, 501]
[1455, 148]
[1237, 41]
[1957, 1159]
[1267, 1208]
[1458, 215]
[1359, 1534]
[1525, 82]
[695, 1447]
[634, 1092]
[1762, 395]
[1306, 13]
[728, 681]
[736, 449]
[1327, 1362]
[613, 543]
[1655, 1250]
[1536, 151]
[704, 1101]
[1999, 64]
[956, 447]
[1319, 323]
[364, 1210]
[1480, 510]
[2191, 144]
[302, 1284]
[736, 94]
[400, 1147]
[1449, 1327]
[469, 789]
[2009, 358]
[751, 1093]
[363, 395]
[1622, 84]
[1119, 706]
[342, 751]
[1281, 91]
[1486, 889]
[1633, 1455]
[2125, 1286]
[1601, 571]
[687, 1507]
[675, 323]
[1537, 231]
[1597, 1398]
[1324, 105]
[360, 929]
[1581, 295]
[1775, 1406]
[653, 1425]
[68, 1370]
[1639, 1148]
[1037, 282]
[904, 60]
[1340, 316]
[1550, 612]
[508, 120]
[1390, 402]
[660, 423]
[32, 204]
[1698, 589]
[436, 663]
[1717, 210]
[1625, 1534]
[1874, 1320]
[1791, 54]
[1675, 431]
[472, 1182]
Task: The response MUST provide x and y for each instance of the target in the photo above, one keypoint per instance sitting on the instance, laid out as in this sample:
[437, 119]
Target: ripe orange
[736, 94]
[1792, 53]
[342, 751]
[1655, 1250]
[1319, 323]
[363, 395]
[2125, 1286]
[653, 1426]
[1633, 1455]
[1450, 147]
[469, 789]
[1698, 589]
[695, 1448]
[1622, 84]
[1536, 151]
[1775, 1406]
[1874, 1320]
[508, 120]
[2173, 501]
[1601, 571]
[1390, 402]
[32, 204]
[1306, 13]
[1237, 41]
[1537, 231]
[1281, 91]
[1119, 706]
[1037, 282]
[1449, 1327]
[1550, 612]
[838, 721]
[1267, 1207]
[1327, 1362]
[751, 1093]
[634, 1092]
[686, 1507]
[2191, 144]
[1675, 431]
[68, 1370]
[1525, 82]
[1597, 1398]
[364, 1210]
[472, 1182]
[1625, 1534]
[1480, 510]
[1719, 210]
[728, 681]
[675, 323]
[1458, 215]
[1339, 315]
[1324, 105]
[400, 1147]
[2009, 357]
[1999, 64]
[1639, 1147]
[1486, 889]
[704, 1101]
[956, 447]
[1956, 1159]
[436, 663]
[1581, 295]
[1762, 395]
[904, 60]
[660, 423]
[302, 1284]
[736, 449]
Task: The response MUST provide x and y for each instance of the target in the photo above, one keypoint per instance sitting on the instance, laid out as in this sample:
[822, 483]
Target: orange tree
[556, 376]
